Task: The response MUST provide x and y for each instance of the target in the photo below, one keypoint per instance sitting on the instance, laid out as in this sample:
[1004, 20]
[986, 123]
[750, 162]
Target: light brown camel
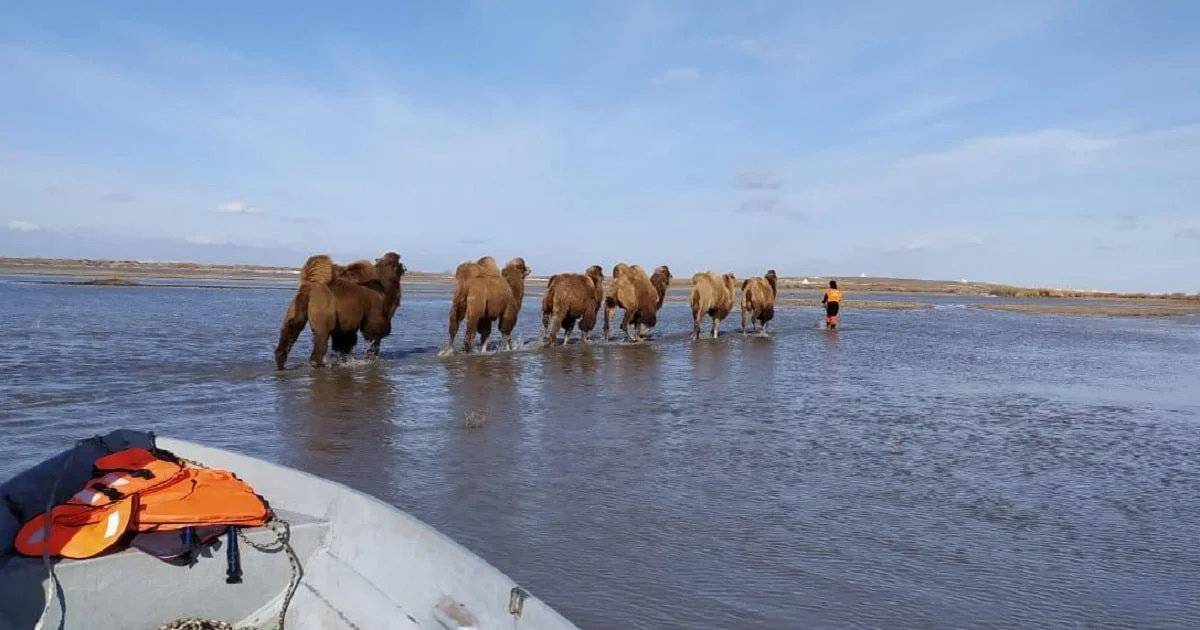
[484, 293]
[341, 307]
[712, 295]
[631, 291]
[572, 297]
[758, 301]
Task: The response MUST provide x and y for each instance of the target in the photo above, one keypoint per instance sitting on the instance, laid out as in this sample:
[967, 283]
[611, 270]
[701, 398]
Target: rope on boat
[283, 539]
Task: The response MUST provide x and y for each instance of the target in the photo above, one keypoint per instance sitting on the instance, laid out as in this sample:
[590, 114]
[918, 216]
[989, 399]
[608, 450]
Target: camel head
[390, 263]
[619, 270]
[596, 273]
[664, 271]
[518, 264]
[745, 283]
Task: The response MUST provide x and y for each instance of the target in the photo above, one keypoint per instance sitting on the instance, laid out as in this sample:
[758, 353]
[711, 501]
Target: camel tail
[318, 269]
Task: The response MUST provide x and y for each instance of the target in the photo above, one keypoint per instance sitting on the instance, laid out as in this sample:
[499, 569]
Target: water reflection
[337, 421]
[711, 361]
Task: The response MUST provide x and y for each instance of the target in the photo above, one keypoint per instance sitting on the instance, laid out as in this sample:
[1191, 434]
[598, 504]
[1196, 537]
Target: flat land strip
[793, 291]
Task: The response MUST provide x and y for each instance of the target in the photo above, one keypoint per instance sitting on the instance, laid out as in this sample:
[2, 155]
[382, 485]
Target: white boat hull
[365, 564]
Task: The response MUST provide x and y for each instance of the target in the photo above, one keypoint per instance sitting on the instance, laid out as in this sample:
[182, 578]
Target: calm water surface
[950, 468]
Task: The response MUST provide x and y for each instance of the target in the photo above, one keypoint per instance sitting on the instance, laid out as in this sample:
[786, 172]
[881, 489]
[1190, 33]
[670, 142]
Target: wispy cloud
[1192, 234]
[118, 197]
[22, 226]
[202, 239]
[759, 181]
[770, 206]
[676, 75]
[238, 207]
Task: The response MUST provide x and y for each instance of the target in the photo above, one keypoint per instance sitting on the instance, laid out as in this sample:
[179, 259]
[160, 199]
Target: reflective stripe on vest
[135, 490]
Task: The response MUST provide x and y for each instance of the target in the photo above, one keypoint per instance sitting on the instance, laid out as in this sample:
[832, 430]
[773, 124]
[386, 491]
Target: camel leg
[610, 309]
[485, 331]
[456, 314]
[716, 327]
[570, 328]
[289, 330]
[343, 343]
[697, 317]
[320, 344]
[552, 331]
[752, 324]
[630, 334]
[469, 335]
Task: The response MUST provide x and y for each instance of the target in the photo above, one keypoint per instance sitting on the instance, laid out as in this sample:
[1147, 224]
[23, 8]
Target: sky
[1034, 142]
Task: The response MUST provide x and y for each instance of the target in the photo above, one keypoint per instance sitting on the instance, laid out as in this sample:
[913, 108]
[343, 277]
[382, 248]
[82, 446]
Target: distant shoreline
[794, 291]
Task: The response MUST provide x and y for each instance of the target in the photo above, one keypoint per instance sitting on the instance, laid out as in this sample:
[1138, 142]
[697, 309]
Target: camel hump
[359, 271]
[318, 269]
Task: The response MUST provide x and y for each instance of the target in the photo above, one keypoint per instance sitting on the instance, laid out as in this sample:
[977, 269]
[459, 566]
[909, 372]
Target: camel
[758, 301]
[484, 293]
[712, 295]
[572, 297]
[339, 302]
[631, 291]
[661, 279]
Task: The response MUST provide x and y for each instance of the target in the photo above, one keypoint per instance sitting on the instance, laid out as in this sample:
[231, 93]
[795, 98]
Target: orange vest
[134, 490]
[833, 295]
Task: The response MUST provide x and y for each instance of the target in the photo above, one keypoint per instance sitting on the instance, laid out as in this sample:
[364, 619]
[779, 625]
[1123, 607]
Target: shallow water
[950, 468]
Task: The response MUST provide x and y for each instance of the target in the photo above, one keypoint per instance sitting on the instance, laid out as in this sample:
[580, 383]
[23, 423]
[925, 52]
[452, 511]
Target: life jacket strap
[139, 473]
[112, 493]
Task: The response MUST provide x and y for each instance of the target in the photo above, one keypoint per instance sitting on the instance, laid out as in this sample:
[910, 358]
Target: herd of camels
[339, 302]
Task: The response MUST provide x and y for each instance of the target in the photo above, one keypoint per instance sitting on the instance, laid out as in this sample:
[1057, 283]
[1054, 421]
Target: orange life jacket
[833, 295]
[136, 490]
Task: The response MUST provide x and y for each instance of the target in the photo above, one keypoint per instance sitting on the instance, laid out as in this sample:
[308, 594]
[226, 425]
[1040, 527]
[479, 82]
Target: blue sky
[1044, 142]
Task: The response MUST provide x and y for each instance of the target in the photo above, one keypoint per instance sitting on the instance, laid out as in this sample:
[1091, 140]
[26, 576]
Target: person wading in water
[832, 301]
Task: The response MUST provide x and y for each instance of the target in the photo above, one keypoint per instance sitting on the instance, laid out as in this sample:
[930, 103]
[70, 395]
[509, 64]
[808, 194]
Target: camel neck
[515, 282]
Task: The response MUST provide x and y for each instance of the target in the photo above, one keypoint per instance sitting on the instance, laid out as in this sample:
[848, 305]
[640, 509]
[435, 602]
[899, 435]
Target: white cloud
[22, 226]
[238, 207]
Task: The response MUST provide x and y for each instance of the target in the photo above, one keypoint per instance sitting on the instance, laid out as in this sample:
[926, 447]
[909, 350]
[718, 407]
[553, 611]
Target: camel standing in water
[483, 294]
[758, 301]
[632, 292]
[712, 295]
[340, 302]
[572, 297]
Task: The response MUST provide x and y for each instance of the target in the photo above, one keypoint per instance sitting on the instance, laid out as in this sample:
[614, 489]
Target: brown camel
[712, 295]
[572, 297]
[631, 291]
[340, 302]
[758, 301]
[661, 279]
[484, 293]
